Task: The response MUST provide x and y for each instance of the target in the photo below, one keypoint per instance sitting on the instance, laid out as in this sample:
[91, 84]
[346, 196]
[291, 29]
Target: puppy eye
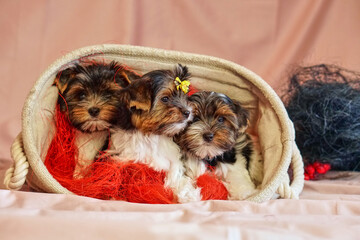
[82, 96]
[195, 119]
[165, 99]
[221, 119]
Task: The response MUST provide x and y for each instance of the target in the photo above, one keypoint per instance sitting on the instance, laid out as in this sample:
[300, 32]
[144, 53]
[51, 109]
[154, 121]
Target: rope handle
[293, 191]
[15, 176]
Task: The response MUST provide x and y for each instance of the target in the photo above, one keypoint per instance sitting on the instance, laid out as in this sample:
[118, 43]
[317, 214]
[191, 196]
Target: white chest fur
[158, 152]
[89, 145]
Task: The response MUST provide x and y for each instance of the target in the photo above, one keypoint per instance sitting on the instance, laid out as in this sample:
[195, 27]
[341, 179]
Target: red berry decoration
[312, 170]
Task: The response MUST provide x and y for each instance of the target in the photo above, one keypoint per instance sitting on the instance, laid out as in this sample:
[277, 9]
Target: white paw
[189, 195]
[186, 192]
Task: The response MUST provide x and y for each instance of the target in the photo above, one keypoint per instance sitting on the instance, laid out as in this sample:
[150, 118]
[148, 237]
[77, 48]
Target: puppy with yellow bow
[159, 110]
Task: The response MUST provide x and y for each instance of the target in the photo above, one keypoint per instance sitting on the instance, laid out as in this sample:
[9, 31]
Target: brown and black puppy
[90, 94]
[160, 107]
[217, 124]
[216, 141]
[160, 110]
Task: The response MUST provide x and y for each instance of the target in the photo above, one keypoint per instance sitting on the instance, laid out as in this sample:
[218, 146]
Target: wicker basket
[270, 121]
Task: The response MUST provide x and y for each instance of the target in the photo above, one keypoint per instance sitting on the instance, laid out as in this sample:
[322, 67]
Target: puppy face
[158, 106]
[90, 94]
[218, 121]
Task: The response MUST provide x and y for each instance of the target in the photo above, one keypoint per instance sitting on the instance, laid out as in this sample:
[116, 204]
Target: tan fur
[60, 83]
[125, 77]
[153, 115]
[81, 114]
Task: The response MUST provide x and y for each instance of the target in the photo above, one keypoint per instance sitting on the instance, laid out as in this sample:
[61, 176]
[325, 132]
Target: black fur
[230, 156]
[323, 101]
[246, 152]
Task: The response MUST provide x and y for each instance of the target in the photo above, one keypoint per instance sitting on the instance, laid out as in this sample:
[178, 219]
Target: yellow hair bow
[183, 85]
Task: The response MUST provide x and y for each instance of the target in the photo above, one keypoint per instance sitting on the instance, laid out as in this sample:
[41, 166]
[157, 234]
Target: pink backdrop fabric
[268, 37]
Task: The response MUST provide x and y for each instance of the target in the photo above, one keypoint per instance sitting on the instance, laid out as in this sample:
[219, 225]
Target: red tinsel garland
[106, 180]
[211, 187]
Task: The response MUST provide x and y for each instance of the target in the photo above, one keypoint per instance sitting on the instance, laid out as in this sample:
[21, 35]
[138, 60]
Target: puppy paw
[186, 192]
[190, 195]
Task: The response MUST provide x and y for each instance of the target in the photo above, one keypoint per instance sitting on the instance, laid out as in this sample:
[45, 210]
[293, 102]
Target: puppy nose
[186, 113]
[94, 111]
[208, 137]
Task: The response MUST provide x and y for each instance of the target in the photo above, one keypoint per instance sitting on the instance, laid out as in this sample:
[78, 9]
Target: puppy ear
[132, 76]
[123, 75]
[61, 81]
[63, 77]
[182, 72]
[140, 95]
[242, 116]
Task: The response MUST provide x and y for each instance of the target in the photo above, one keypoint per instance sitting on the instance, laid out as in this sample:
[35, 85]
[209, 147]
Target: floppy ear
[123, 76]
[242, 116]
[140, 95]
[61, 81]
[63, 77]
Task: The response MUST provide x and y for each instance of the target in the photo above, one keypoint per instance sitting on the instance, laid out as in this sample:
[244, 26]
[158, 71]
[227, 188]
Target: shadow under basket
[269, 122]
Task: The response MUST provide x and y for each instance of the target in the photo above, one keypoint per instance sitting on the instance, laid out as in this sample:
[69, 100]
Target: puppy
[160, 109]
[89, 93]
[216, 141]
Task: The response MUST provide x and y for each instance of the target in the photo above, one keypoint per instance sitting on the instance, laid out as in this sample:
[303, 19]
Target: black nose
[186, 113]
[208, 137]
[94, 111]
